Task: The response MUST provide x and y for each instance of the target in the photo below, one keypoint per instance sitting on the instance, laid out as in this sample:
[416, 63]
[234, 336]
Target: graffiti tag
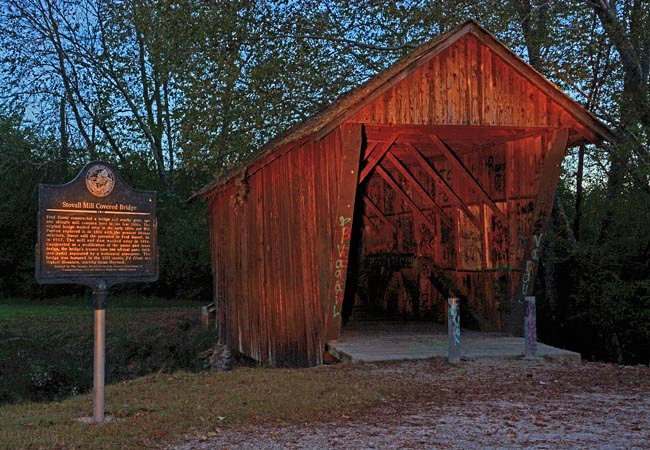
[454, 318]
[340, 264]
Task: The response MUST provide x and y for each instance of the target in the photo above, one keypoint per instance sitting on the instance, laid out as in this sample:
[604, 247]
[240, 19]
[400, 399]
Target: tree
[99, 61]
[24, 162]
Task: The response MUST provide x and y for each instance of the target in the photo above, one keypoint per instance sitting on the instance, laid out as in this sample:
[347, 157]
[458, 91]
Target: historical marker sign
[97, 231]
[96, 228]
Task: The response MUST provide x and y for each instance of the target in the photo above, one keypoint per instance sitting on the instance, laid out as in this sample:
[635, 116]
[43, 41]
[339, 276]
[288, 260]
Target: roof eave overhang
[321, 124]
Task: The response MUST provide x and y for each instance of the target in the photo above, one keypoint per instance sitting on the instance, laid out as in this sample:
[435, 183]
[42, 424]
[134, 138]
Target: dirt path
[478, 404]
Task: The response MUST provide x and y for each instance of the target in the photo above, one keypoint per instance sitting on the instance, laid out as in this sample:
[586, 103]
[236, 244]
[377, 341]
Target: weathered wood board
[433, 178]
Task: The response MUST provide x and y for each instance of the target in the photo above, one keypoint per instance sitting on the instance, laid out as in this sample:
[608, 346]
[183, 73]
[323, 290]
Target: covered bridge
[434, 178]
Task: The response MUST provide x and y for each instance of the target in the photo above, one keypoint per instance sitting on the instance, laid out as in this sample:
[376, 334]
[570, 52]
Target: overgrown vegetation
[595, 293]
[176, 92]
[46, 347]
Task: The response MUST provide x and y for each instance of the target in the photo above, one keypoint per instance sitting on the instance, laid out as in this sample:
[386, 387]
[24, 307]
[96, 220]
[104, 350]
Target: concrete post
[453, 329]
[530, 327]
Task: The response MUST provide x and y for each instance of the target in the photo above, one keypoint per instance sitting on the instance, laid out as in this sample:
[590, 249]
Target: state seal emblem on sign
[100, 180]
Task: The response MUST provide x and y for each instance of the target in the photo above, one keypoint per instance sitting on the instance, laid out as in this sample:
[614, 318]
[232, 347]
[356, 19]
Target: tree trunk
[64, 154]
[579, 176]
[548, 263]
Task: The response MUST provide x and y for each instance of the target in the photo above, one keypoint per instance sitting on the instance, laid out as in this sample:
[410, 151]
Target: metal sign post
[100, 295]
[97, 231]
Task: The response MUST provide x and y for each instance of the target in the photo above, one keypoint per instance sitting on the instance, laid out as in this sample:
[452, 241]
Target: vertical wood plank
[351, 141]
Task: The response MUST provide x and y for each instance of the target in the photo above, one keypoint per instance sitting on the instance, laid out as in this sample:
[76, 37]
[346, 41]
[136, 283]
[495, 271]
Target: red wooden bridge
[434, 178]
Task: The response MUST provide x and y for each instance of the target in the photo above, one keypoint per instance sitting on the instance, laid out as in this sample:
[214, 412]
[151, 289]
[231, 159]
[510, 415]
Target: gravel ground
[477, 404]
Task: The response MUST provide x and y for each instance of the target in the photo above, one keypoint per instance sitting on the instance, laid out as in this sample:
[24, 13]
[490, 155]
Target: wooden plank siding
[271, 285]
[472, 85]
[441, 170]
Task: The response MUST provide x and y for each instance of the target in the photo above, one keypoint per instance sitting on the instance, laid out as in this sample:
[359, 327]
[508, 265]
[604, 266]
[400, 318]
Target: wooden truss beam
[418, 187]
[368, 219]
[465, 133]
[376, 156]
[372, 146]
[460, 168]
[372, 207]
[433, 173]
[397, 188]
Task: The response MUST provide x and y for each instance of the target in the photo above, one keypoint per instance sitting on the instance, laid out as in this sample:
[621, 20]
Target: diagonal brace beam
[376, 156]
[369, 151]
[372, 207]
[418, 187]
[397, 188]
[460, 167]
[433, 173]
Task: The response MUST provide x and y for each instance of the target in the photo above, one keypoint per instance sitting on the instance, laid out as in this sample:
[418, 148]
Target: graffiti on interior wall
[388, 197]
[427, 182]
[470, 243]
[498, 243]
[341, 262]
[497, 173]
[426, 239]
[405, 235]
[522, 227]
[445, 174]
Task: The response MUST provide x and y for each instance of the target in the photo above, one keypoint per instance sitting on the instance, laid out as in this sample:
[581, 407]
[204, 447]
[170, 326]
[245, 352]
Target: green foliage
[25, 160]
[184, 250]
[175, 92]
[603, 283]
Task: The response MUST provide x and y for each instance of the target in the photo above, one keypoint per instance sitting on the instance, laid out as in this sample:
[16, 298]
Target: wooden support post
[453, 331]
[351, 142]
[530, 327]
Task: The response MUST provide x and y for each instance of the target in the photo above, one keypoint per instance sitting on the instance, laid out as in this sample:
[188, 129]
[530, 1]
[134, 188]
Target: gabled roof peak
[352, 101]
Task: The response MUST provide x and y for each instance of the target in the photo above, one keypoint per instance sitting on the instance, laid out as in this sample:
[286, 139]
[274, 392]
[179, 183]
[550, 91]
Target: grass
[46, 346]
[155, 389]
[160, 409]
[15, 308]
